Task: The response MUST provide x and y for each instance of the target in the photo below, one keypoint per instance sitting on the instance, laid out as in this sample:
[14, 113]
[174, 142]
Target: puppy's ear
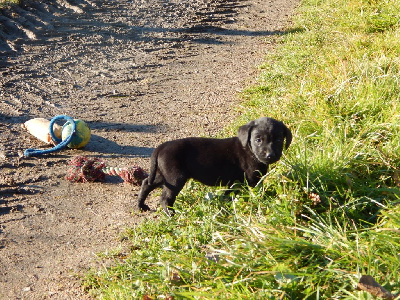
[244, 133]
[288, 135]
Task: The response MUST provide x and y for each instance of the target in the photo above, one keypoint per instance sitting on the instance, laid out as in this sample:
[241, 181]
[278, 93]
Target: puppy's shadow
[102, 145]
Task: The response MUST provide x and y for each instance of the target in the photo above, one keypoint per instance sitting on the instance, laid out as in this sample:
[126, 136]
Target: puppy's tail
[153, 167]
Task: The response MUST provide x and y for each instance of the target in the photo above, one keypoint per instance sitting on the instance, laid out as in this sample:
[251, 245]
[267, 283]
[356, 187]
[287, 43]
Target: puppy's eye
[258, 140]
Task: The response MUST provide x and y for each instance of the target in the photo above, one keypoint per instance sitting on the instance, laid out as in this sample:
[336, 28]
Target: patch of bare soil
[139, 73]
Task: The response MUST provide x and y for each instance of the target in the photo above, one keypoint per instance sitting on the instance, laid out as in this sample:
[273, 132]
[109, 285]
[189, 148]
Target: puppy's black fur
[215, 161]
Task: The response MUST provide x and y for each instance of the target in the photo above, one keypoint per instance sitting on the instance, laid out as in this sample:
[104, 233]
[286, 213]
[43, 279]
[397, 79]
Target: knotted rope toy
[75, 134]
[85, 169]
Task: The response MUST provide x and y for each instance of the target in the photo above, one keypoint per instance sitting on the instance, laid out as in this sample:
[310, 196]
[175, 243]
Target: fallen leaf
[367, 283]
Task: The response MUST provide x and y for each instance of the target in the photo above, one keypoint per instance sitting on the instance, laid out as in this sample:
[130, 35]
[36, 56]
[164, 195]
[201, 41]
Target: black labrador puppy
[215, 161]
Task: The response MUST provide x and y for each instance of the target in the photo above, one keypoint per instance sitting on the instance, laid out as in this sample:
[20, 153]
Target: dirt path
[139, 72]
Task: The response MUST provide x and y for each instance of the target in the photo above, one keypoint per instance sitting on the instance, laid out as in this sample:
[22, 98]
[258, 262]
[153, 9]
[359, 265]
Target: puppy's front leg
[167, 200]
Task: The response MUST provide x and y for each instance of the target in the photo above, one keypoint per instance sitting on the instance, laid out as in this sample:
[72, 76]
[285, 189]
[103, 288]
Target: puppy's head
[266, 138]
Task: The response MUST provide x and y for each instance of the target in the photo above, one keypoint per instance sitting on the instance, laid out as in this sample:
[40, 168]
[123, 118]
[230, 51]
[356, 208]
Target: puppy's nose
[270, 156]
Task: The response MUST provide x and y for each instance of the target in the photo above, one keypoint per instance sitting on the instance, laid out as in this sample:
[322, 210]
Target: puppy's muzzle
[270, 157]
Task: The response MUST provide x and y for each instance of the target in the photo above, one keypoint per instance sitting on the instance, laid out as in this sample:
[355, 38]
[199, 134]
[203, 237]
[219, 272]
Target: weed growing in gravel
[328, 212]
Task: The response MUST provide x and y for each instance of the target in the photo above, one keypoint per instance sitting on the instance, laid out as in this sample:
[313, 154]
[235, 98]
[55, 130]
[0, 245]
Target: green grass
[327, 213]
[4, 3]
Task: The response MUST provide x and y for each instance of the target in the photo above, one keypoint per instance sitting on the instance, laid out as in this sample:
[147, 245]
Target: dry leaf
[368, 284]
[175, 277]
[314, 198]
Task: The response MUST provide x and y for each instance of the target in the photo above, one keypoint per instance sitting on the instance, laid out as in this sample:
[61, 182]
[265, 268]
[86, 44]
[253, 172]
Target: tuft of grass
[327, 213]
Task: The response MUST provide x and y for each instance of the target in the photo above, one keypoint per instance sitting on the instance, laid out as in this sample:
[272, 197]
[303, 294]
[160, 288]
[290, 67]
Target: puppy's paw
[169, 211]
[142, 207]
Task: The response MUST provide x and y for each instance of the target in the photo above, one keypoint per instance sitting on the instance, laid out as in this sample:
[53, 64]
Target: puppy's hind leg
[145, 190]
